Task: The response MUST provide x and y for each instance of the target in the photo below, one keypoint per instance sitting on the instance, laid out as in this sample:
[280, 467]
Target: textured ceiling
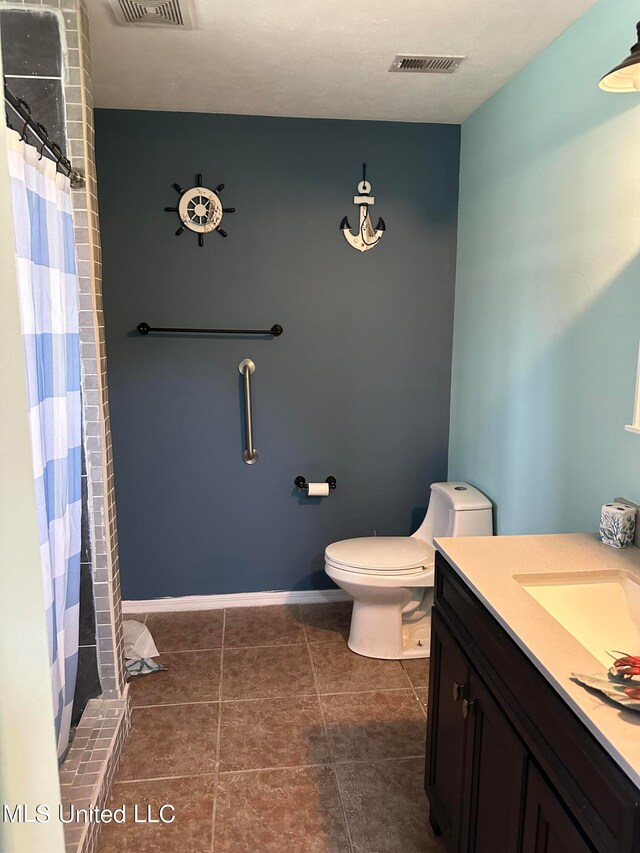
[322, 58]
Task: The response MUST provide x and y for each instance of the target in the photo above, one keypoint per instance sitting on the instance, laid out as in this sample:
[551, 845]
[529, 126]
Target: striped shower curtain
[45, 260]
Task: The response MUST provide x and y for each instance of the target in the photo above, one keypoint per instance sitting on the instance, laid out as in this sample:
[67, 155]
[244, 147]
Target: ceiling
[322, 58]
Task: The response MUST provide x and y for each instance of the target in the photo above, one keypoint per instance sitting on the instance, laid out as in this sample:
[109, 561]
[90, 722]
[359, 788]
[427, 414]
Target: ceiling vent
[426, 64]
[153, 13]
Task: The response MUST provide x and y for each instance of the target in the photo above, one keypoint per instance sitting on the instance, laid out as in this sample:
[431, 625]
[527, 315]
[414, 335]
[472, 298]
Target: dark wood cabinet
[448, 755]
[476, 771]
[503, 775]
[497, 762]
[547, 826]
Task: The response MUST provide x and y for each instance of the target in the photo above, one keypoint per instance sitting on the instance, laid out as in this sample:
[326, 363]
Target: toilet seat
[381, 555]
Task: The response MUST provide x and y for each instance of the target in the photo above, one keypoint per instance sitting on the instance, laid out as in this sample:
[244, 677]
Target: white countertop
[488, 564]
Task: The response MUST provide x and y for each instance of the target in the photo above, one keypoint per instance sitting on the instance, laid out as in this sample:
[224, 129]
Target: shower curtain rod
[22, 110]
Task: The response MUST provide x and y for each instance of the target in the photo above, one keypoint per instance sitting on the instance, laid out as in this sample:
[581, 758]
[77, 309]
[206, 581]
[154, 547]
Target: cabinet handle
[468, 708]
[458, 691]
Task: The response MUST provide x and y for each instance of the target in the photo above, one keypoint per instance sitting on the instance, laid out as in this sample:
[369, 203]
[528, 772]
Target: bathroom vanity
[521, 758]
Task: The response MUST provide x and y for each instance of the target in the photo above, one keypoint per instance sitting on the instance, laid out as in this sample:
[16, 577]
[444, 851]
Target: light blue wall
[547, 313]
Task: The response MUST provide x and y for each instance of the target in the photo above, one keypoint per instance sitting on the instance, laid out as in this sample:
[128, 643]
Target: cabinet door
[446, 738]
[496, 774]
[548, 828]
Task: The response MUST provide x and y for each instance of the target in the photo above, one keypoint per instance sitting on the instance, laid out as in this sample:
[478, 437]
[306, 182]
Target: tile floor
[267, 734]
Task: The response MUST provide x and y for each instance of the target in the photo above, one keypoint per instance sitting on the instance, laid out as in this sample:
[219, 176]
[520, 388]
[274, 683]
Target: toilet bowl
[390, 578]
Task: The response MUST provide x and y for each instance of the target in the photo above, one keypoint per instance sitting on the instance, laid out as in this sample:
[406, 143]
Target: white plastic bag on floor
[138, 642]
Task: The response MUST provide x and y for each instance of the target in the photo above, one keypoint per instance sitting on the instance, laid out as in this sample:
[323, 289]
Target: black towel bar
[276, 330]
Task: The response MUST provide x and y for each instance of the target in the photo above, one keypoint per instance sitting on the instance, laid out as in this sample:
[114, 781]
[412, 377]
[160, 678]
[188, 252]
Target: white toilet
[391, 577]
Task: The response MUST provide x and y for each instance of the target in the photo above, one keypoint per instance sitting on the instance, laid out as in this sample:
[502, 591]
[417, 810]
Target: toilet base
[390, 631]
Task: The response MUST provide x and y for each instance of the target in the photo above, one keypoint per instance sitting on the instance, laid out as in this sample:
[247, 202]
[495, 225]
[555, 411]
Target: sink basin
[600, 609]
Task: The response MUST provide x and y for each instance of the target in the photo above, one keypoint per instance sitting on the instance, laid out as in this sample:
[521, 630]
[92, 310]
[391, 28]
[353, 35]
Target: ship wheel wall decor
[200, 210]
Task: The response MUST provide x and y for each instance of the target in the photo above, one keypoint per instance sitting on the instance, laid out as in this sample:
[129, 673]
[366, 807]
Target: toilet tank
[456, 509]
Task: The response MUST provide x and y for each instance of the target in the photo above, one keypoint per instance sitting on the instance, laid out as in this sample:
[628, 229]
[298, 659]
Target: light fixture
[626, 76]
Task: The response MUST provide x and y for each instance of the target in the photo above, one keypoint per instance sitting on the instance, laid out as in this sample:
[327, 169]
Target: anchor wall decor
[367, 236]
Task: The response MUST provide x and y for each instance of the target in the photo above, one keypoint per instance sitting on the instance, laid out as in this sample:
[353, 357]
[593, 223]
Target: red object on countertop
[628, 665]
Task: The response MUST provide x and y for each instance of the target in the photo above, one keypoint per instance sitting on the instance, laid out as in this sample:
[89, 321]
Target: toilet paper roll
[318, 489]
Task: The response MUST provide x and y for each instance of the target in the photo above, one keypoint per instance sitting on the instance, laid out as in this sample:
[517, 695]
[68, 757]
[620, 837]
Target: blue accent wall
[358, 385]
[547, 318]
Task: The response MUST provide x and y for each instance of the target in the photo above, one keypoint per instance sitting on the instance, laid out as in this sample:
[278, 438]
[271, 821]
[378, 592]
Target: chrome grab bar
[246, 368]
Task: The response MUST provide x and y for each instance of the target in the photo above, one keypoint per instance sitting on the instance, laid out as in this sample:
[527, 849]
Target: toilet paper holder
[301, 482]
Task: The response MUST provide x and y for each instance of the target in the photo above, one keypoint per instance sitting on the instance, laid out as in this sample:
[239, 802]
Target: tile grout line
[315, 692]
[265, 646]
[406, 675]
[374, 690]
[330, 764]
[189, 651]
[164, 778]
[276, 767]
[422, 707]
[257, 646]
[224, 701]
[216, 779]
[350, 762]
[415, 688]
[343, 810]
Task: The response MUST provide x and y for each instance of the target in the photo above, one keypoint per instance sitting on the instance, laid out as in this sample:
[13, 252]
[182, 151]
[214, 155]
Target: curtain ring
[27, 109]
[45, 136]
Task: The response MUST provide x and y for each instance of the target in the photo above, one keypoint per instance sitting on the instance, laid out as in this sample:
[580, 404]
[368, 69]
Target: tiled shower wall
[98, 450]
[101, 513]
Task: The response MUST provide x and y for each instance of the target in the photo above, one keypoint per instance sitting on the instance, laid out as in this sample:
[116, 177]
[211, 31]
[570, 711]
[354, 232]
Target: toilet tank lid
[462, 496]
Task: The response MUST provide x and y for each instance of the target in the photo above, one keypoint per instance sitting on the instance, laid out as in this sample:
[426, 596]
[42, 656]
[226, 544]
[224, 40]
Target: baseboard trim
[241, 599]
